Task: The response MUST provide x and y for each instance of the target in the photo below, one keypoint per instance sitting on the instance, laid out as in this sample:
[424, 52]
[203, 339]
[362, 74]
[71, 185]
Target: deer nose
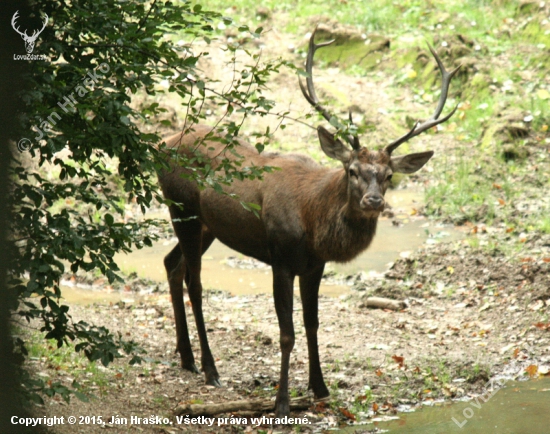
[372, 202]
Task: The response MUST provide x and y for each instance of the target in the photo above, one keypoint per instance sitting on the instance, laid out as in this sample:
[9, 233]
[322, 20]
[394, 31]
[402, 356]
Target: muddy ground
[475, 311]
[485, 317]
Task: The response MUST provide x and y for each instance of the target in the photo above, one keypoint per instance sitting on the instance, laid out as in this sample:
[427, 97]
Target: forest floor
[477, 309]
[485, 319]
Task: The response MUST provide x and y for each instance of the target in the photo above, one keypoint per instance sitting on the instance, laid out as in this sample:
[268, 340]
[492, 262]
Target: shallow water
[517, 408]
[84, 296]
[390, 242]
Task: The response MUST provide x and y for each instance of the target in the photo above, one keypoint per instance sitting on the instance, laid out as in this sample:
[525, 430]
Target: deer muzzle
[372, 202]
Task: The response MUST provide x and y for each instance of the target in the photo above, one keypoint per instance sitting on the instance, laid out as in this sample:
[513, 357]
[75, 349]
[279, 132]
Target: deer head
[29, 40]
[369, 172]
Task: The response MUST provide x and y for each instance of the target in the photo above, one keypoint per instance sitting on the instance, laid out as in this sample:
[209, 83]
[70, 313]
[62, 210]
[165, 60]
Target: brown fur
[309, 215]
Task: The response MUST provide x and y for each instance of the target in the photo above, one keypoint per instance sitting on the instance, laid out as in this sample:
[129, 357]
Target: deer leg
[283, 281]
[207, 240]
[196, 242]
[175, 269]
[309, 291]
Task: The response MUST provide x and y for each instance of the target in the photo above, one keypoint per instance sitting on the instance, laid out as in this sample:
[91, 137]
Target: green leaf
[109, 220]
[65, 205]
[81, 396]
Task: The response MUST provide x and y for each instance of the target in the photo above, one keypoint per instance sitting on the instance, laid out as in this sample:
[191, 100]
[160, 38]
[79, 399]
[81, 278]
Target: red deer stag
[309, 215]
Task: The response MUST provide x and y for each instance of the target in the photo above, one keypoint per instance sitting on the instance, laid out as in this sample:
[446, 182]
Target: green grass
[380, 15]
[460, 194]
[505, 72]
[544, 225]
[362, 403]
[91, 376]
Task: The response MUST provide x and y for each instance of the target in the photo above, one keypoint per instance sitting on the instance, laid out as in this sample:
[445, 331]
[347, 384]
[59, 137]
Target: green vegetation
[500, 132]
[89, 148]
[71, 372]
[377, 15]
[492, 163]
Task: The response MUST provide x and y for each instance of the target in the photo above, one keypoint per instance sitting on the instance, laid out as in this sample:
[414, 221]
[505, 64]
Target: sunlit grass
[65, 360]
[544, 225]
[509, 54]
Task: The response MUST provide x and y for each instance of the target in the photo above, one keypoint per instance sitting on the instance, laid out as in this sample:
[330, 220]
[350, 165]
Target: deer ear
[334, 148]
[410, 163]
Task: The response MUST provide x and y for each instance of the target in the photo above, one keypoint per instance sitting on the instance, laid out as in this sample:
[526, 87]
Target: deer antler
[446, 78]
[37, 32]
[13, 20]
[309, 93]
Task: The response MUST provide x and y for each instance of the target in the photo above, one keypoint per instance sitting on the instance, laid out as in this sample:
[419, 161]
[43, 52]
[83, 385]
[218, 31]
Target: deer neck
[338, 232]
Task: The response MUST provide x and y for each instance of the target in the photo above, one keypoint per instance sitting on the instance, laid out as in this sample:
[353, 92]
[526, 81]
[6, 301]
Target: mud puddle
[223, 268]
[518, 407]
[228, 270]
[86, 294]
[218, 269]
[397, 235]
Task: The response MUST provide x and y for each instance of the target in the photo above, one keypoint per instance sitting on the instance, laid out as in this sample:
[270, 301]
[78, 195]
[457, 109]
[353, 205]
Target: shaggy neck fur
[337, 232]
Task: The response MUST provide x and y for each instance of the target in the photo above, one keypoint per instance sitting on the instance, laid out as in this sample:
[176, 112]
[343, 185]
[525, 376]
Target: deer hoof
[320, 391]
[282, 409]
[191, 367]
[214, 382]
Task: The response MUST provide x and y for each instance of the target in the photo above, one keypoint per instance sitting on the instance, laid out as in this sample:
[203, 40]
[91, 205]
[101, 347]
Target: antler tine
[313, 102]
[446, 78]
[37, 32]
[312, 96]
[353, 140]
[13, 20]
[309, 93]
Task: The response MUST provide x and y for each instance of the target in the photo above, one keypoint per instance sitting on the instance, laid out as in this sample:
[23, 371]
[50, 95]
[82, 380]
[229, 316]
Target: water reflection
[517, 408]
[402, 233]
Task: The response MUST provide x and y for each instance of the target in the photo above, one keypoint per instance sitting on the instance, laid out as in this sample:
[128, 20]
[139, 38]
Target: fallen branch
[385, 303]
[256, 406]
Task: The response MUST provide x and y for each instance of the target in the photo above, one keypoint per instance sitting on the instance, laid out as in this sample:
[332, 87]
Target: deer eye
[352, 173]
[388, 178]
